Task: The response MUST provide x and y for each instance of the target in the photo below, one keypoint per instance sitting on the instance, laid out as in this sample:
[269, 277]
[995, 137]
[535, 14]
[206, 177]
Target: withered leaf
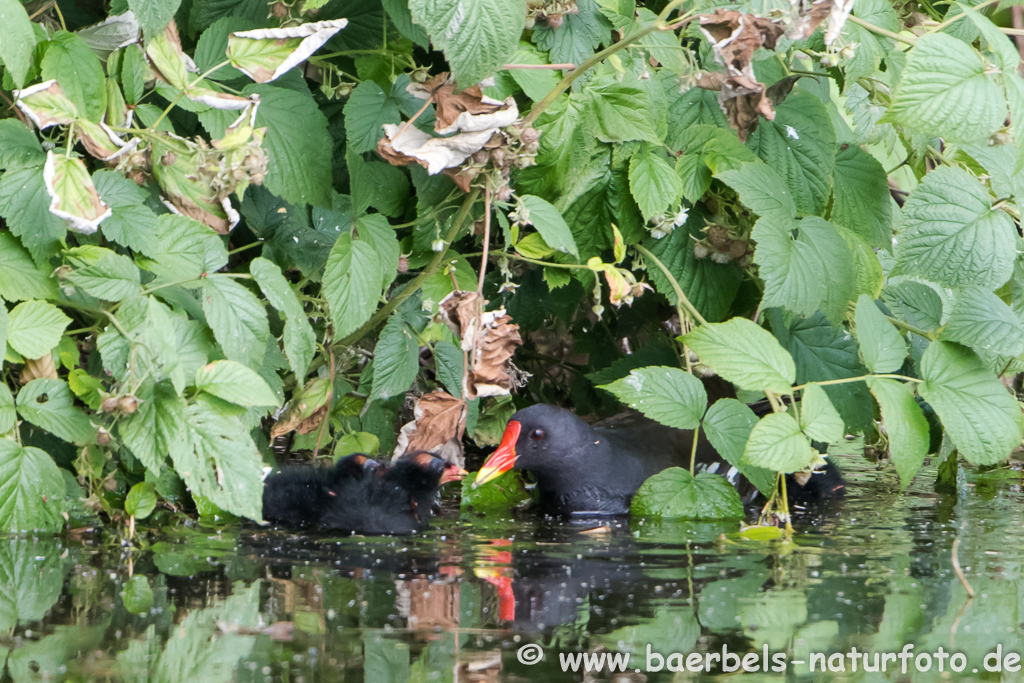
[440, 421]
[306, 410]
[490, 339]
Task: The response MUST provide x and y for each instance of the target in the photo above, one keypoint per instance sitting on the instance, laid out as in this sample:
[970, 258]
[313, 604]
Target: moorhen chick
[584, 469]
[358, 494]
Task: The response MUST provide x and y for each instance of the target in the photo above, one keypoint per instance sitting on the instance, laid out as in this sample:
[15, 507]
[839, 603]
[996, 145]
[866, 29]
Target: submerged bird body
[358, 494]
[596, 469]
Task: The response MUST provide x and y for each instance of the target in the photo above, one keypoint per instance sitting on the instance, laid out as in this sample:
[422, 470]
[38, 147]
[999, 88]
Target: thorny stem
[487, 244]
[947, 22]
[881, 31]
[693, 451]
[861, 378]
[417, 282]
[910, 328]
[680, 296]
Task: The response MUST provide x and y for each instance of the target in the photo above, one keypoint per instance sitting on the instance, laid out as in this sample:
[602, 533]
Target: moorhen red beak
[503, 459]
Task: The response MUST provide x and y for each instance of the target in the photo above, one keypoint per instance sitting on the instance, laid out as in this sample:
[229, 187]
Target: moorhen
[358, 494]
[584, 469]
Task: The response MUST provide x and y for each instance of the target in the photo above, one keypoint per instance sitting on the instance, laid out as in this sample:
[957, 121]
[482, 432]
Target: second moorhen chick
[358, 494]
[596, 469]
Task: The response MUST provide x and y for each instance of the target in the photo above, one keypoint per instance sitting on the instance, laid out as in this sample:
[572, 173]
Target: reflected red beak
[452, 473]
[503, 459]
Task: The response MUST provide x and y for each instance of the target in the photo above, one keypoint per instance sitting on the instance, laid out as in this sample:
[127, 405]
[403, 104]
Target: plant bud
[128, 404]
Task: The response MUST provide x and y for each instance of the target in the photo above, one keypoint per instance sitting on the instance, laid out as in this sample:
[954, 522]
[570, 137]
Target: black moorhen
[358, 494]
[586, 469]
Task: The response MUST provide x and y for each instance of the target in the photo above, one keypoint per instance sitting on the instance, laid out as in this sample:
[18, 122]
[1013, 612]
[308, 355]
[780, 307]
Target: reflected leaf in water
[206, 646]
[813, 637]
[773, 617]
[137, 595]
[670, 630]
[386, 660]
[31, 579]
[45, 659]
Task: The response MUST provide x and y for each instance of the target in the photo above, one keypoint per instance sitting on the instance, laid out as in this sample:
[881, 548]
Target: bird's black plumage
[358, 494]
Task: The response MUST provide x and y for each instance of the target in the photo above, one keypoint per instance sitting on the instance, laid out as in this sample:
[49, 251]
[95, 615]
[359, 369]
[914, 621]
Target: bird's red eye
[537, 434]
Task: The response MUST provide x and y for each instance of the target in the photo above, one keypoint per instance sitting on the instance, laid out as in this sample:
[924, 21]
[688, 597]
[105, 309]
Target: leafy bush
[218, 208]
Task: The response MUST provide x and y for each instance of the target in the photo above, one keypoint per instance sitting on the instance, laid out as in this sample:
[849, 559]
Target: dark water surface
[458, 602]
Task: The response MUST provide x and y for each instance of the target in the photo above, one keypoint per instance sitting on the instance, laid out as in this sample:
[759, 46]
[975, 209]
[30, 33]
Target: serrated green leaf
[141, 500]
[881, 346]
[399, 13]
[951, 234]
[396, 359]
[237, 318]
[981, 320]
[675, 493]
[25, 204]
[352, 283]
[77, 69]
[236, 384]
[579, 36]
[945, 91]
[22, 279]
[655, 185]
[982, 419]
[1006, 54]
[157, 427]
[905, 425]
[153, 15]
[818, 418]
[7, 413]
[367, 110]
[536, 83]
[921, 303]
[17, 40]
[113, 278]
[799, 144]
[133, 74]
[619, 113]
[31, 491]
[187, 250]
[49, 404]
[860, 201]
[35, 327]
[131, 224]
[760, 189]
[276, 288]
[502, 494]
[19, 146]
[667, 395]
[476, 36]
[745, 354]
[449, 364]
[776, 443]
[727, 426]
[550, 224]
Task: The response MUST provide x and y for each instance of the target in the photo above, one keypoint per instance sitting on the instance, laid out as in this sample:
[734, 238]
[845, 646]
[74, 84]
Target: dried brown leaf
[38, 368]
[440, 421]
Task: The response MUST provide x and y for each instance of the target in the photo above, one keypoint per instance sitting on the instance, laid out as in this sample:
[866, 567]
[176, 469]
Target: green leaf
[536, 83]
[187, 250]
[112, 278]
[727, 426]
[19, 146]
[367, 110]
[133, 74]
[35, 327]
[298, 146]
[476, 36]
[131, 224]
[502, 494]
[399, 13]
[675, 493]
[153, 15]
[299, 338]
[811, 272]
[579, 36]
[711, 287]
[77, 69]
[760, 189]
[221, 461]
[945, 92]
[22, 279]
[799, 145]
[653, 182]
[667, 395]
[7, 413]
[982, 419]
[17, 40]
[25, 204]
[352, 283]
[31, 491]
[881, 346]
[396, 359]
[137, 594]
[157, 427]
[449, 364]
[818, 418]
[981, 320]
[918, 302]
[357, 442]
[776, 443]
[745, 354]
[376, 230]
[1006, 54]
[861, 201]
[236, 384]
[619, 113]
[141, 500]
[905, 425]
[237, 318]
[550, 224]
[49, 403]
[952, 235]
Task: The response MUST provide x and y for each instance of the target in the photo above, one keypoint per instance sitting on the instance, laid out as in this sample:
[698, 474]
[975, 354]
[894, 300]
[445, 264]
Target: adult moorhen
[596, 469]
[358, 494]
